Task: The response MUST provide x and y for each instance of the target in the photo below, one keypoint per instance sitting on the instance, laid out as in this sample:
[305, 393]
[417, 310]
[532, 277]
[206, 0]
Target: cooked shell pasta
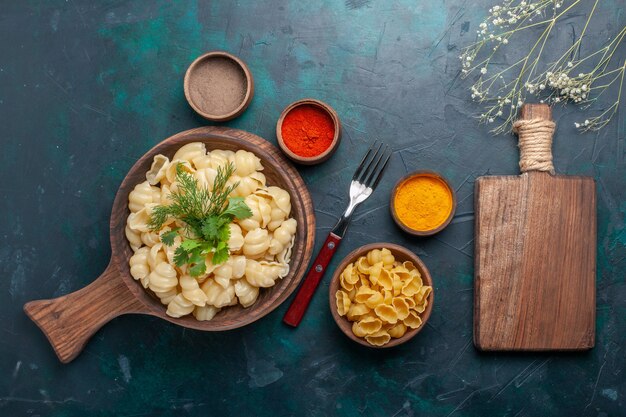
[202, 161]
[261, 213]
[139, 268]
[156, 256]
[139, 221]
[155, 175]
[246, 163]
[190, 151]
[133, 237]
[150, 238]
[255, 243]
[282, 236]
[142, 195]
[170, 172]
[206, 177]
[217, 295]
[167, 296]
[259, 246]
[220, 158]
[281, 198]
[179, 306]
[246, 293]
[163, 278]
[233, 268]
[247, 185]
[205, 313]
[191, 290]
[264, 274]
[166, 192]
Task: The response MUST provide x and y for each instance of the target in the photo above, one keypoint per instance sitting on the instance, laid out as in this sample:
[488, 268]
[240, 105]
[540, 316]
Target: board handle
[70, 320]
[535, 129]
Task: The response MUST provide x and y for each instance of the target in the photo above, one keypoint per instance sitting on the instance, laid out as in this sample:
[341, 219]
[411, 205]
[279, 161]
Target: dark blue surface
[87, 87]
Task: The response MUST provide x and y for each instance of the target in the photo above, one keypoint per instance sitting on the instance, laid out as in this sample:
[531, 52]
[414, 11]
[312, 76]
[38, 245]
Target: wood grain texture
[535, 262]
[401, 254]
[69, 321]
[535, 111]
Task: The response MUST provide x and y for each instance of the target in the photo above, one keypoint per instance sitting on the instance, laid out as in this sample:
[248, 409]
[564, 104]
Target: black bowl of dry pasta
[143, 284]
[381, 295]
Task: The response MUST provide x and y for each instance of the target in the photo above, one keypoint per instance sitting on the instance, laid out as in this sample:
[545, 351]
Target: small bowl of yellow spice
[423, 203]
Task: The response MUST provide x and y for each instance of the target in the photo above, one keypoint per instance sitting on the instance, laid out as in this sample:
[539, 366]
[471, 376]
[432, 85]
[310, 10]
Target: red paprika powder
[308, 130]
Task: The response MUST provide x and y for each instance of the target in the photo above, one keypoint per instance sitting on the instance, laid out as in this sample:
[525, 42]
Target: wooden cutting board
[535, 252]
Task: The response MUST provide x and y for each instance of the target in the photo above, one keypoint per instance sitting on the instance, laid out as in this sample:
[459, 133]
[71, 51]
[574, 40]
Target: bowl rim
[121, 251]
[392, 205]
[246, 99]
[351, 257]
[309, 160]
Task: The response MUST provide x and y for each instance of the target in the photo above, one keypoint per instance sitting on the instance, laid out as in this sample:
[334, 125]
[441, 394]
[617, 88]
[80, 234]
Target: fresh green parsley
[206, 215]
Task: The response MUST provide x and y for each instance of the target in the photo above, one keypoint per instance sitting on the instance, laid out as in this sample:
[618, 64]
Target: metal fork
[364, 181]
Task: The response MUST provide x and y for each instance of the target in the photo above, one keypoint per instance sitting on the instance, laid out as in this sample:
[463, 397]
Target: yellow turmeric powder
[423, 202]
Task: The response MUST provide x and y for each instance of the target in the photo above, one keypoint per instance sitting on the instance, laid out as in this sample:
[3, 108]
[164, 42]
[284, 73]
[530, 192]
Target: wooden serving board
[535, 260]
[69, 321]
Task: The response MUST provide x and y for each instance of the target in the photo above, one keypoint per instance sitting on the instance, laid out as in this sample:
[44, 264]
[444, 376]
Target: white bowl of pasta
[142, 280]
[381, 295]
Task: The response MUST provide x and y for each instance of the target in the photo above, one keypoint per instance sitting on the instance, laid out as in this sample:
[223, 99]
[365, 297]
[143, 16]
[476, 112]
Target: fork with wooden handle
[364, 181]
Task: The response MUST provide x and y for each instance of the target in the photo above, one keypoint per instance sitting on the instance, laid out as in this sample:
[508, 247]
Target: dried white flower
[513, 85]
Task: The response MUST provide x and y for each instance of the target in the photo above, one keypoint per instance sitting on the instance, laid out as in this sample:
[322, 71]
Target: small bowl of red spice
[308, 131]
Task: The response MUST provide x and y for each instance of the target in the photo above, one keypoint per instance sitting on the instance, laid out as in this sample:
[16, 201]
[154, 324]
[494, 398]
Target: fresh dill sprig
[206, 216]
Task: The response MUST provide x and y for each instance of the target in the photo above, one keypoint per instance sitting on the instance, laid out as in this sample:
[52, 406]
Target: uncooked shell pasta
[382, 297]
[259, 246]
